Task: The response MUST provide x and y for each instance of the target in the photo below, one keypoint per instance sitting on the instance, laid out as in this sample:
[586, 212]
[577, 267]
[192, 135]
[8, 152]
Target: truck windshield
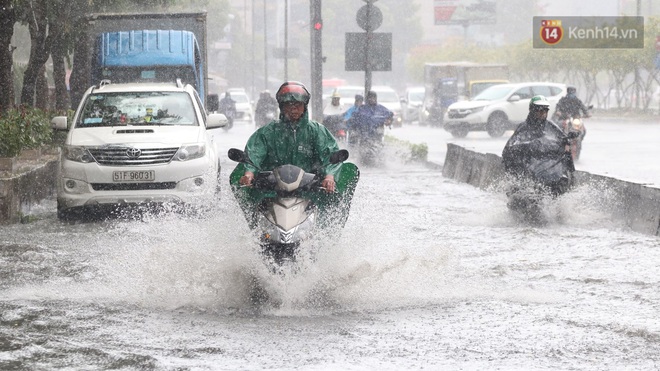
[137, 108]
[493, 93]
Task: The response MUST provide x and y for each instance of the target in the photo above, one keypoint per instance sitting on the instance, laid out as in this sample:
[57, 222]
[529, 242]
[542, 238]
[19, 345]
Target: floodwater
[428, 274]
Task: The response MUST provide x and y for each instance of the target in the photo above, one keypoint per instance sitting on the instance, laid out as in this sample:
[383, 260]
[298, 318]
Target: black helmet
[292, 91]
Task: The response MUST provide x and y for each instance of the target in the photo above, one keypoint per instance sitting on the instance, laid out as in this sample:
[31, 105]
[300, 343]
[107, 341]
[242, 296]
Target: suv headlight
[474, 110]
[78, 154]
[189, 152]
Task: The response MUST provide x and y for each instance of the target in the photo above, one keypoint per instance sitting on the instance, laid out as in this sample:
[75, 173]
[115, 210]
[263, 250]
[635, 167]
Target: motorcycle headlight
[577, 124]
[78, 154]
[189, 152]
[272, 233]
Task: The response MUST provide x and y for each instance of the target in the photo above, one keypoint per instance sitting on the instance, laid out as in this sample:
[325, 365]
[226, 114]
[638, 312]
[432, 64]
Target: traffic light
[318, 25]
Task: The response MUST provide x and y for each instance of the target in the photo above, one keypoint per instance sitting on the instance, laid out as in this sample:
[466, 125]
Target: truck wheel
[496, 125]
[459, 131]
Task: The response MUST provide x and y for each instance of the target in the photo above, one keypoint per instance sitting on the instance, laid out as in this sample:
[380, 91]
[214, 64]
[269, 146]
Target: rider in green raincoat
[296, 140]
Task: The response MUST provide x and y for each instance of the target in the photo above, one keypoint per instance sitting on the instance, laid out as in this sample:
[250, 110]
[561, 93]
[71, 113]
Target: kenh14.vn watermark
[588, 32]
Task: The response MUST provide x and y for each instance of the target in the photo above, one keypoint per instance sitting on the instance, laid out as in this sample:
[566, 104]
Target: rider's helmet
[292, 91]
[539, 103]
[571, 90]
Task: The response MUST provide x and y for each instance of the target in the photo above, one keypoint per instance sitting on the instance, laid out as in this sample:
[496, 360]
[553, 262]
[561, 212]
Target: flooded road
[428, 273]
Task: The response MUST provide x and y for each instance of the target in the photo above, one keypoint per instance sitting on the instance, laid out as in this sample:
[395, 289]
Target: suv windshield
[493, 93]
[137, 108]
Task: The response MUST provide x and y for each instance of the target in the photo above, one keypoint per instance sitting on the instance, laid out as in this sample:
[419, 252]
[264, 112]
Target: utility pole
[316, 54]
[286, 40]
[265, 47]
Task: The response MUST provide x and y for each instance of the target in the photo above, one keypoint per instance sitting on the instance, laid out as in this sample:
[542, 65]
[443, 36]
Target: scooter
[262, 119]
[336, 125]
[544, 178]
[575, 125]
[369, 144]
[287, 206]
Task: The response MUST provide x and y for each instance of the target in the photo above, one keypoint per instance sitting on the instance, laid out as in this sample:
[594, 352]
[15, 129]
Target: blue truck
[145, 47]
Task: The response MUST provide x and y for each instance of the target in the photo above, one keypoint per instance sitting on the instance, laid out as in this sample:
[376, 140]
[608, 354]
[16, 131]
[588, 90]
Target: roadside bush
[23, 128]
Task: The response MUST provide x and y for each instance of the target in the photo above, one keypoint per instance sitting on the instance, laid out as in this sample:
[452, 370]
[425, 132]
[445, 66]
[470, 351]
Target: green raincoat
[307, 145]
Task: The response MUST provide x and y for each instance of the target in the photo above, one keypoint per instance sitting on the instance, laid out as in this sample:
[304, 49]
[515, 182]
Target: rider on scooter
[535, 139]
[293, 139]
[368, 120]
[570, 106]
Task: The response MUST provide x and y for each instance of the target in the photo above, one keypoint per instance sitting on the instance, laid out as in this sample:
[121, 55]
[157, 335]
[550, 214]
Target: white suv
[499, 108]
[137, 143]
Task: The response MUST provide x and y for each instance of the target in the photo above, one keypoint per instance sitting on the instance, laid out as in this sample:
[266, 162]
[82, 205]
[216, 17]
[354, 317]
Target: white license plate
[134, 176]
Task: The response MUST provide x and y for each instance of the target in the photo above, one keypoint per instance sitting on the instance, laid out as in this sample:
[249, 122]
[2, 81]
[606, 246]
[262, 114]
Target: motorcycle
[575, 125]
[336, 125]
[287, 206]
[545, 177]
[263, 118]
[369, 143]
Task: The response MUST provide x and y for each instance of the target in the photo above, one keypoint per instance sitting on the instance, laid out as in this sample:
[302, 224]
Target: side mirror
[212, 102]
[514, 98]
[237, 155]
[59, 123]
[339, 156]
[216, 120]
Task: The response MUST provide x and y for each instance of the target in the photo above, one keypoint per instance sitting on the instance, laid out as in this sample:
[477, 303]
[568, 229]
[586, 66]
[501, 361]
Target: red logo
[551, 31]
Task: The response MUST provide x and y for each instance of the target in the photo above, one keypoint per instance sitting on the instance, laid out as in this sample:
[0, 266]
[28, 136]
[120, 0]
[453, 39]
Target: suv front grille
[130, 156]
[132, 186]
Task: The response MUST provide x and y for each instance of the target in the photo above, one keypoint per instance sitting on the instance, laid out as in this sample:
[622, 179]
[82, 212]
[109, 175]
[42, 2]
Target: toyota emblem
[133, 152]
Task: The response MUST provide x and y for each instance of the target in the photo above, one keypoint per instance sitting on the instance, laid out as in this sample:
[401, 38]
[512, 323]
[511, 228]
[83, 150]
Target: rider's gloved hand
[246, 179]
[328, 183]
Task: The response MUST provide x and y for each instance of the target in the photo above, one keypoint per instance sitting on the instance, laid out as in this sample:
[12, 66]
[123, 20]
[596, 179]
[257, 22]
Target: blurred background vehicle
[499, 108]
[244, 111]
[451, 82]
[412, 103]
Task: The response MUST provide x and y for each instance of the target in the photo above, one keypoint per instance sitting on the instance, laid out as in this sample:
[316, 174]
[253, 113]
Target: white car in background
[412, 102]
[138, 143]
[244, 111]
[499, 108]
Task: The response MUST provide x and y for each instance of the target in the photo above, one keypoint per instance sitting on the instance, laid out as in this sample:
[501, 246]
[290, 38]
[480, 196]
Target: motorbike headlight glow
[189, 152]
[577, 124]
[78, 154]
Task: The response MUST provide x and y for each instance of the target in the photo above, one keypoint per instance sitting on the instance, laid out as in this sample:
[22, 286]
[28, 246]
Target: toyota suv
[138, 143]
[498, 108]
